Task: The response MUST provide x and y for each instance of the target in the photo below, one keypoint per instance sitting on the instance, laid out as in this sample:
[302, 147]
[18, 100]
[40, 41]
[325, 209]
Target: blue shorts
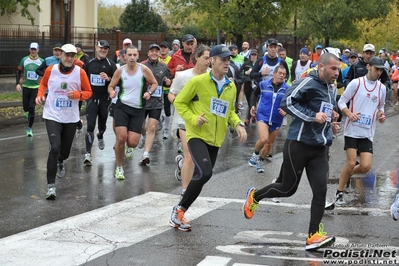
[272, 127]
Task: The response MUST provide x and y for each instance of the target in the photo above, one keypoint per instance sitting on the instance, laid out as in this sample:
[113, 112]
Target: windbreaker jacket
[302, 101]
[195, 99]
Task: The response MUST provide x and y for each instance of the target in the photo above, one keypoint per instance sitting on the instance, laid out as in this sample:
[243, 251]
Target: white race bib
[364, 121]
[31, 75]
[327, 108]
[219, 107]
[62, 102]
[96, 80]
[157, 92]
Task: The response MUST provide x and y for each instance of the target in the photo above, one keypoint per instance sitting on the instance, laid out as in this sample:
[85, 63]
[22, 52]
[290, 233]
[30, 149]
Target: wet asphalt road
[23, 187]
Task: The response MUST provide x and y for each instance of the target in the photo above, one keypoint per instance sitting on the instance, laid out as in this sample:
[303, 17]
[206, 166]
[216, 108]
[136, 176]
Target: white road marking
[214, 261]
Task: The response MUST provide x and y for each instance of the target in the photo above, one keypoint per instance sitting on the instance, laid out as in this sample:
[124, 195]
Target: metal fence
[15, 41]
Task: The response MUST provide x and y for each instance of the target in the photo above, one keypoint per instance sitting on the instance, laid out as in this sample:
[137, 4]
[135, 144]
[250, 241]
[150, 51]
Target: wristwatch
[149, 92]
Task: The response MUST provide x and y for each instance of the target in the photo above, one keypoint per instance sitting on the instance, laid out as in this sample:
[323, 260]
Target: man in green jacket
[206, 103]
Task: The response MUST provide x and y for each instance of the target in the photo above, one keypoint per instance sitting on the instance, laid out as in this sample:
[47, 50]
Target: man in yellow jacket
[206, 103]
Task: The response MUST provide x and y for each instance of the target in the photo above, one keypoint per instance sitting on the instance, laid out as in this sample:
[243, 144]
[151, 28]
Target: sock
[145, 153]
[180, 163]
[120, 168]
[183, 191]
[167, 122]
[338, 192]
[256, 152]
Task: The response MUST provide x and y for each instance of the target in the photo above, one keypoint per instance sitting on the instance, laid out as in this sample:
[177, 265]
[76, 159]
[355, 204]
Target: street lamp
[66, 9]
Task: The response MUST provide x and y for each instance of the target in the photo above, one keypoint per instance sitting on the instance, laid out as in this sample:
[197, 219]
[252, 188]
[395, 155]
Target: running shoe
[270, 156]
[29, 132]
[178, 168]
[329, 206]
[101, 143]
[87, 161]
[145, 160]
[339, 199]
[119, 174]
[253, 160]
[179, 147]
[259, 166]
[141, 142]
[51, 194]
[319, 239]
[165, 133]
[177, 219]
[250, 204]
[60, 169]
[128, 152]
[395, 208]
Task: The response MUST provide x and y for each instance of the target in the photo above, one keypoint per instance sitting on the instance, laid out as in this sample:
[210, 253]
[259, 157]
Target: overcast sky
[116, 2]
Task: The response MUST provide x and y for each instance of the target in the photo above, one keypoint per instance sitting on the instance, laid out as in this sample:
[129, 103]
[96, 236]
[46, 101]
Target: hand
[335, 116]
[201, 120]
[336, 127]
[381, 117]
[242, 133]
[70, 94]
[253, 111]
[104, 76]
[112, 94]
[168, 82]
[40, 100]
[265, 71]
[179, 68]
[18, 87]
[354, 116]
[282, 112]
[146, 95]
[320, 117]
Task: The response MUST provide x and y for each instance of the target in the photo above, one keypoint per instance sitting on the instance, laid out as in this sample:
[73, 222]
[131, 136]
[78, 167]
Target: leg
[91, 117]
[54, 130]
[269, 143]
[67, 135]
[31, 106]
[188, 164]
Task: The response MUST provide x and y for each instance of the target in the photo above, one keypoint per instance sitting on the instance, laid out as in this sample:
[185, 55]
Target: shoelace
[321, 230]
[253, 205]
[180, 216]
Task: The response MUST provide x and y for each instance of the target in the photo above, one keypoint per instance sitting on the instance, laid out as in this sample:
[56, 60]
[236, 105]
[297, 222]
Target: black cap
[272, 41]
[219, 50]
[80, 45]
[377, 62]
[58, 46]
[233, 47]
[154, 45]
[103, 43]
[188, 38]
[164, 43]
[254, 51]
[353, 55]
[122, 52]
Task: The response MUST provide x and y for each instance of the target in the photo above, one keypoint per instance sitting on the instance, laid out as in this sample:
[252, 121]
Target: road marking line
[214, 261]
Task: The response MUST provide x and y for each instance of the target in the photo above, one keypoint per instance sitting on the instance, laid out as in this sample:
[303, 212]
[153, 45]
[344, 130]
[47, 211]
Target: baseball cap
[69, 48]
[34, 45]
[368, 47]
[122, 52]
[254, 51]
[176, 41]
[233, 47]
[319, 46]
[347, 51]
[377, 62]
[353, 55]
[279, 44]
[103, 43]
[272, 41]
[188, 38]
[304, 50]
[57, 46]
[219, 50]
[165, 43]
[127, 41]
[154, 45]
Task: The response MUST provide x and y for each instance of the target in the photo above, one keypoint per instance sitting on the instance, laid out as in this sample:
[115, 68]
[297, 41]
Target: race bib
[31, 75]
[364, 121]
[219, 107]
[63, 103]
[157, 92]
[96, 80]
[327, 108]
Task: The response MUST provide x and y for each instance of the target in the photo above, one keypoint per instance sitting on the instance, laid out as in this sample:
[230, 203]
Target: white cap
[347, 50]
[368, 47]
[69, 48]
[34, 45]
[279, 44]
[127, 41]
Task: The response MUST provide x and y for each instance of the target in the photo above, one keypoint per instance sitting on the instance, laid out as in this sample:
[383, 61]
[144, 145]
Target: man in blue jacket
[310, 102]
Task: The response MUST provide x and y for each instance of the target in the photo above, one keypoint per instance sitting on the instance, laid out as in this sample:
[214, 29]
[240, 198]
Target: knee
[151, 128]
[364, 167]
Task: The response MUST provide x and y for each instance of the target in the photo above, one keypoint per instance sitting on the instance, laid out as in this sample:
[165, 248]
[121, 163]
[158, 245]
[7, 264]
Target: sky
[116, 2]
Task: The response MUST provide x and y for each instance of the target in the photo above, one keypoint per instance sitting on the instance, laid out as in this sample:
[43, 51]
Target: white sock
[145, 153]
[120, 168]
[180, 163]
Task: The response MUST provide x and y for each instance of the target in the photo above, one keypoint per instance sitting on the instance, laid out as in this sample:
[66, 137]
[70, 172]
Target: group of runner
[133, 91]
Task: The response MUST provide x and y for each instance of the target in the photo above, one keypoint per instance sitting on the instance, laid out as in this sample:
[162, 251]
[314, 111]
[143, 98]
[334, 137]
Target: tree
[334, 20]
[11, 6]
[139, 16]
[108, 15]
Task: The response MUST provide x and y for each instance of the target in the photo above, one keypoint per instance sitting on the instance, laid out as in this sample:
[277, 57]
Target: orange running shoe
[250, 204]
[319, 239]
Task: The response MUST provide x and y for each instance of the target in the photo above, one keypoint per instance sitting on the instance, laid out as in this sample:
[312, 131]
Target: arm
[172, 66]
[255, 96]
[183, 99]
[114, 82]
[40, 70]
[255, 74]
[40, 98]
[150, 80]
[346, 97]
[293, 71]
[85, 85]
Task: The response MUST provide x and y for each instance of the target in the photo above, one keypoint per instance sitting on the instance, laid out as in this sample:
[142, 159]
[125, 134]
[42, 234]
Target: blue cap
[304, 50]
[219, 50]
[319, 46]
